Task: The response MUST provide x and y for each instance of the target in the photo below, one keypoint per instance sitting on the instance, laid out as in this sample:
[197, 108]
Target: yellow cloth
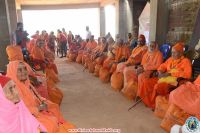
[169, 79]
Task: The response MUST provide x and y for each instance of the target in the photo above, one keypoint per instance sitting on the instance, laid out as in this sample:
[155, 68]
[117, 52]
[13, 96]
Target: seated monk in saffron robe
[73, 51]
[184, 102]
[50, 57]
[106, 50]
[37, 55]
[40, 56]
[91, 57]
[118, 55]
[89, 47]
[134, 59]
[14, 115]
[82, 45]
[101, 54]
[177, 66]
[55, 94]
[187, 97]
[36, 104]
[150, 62]
[122, 53]
[97, 55]
[31, 44]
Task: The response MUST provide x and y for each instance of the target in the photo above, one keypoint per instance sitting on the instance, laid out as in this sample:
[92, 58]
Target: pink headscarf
[16, 118]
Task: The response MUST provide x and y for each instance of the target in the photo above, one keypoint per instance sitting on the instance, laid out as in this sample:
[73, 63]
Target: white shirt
[88, 34]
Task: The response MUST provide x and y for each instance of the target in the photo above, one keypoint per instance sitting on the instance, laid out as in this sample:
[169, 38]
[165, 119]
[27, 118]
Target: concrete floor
[89, 103]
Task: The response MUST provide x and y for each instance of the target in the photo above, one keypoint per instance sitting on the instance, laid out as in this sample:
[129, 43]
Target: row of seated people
[143, 74]
[33, 96]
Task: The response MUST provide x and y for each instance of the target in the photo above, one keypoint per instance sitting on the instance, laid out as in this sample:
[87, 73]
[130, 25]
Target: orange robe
[80, 52]
[183, 102]
[14, 52]
[135, 58]
[73, 52]
[98, 58]
[150, 62]
[92, 45]
[89, 49]
[187, 97]
[37, 53]
[55, 94]
[136, 55]
[110, 63]
[122, 52]
[104, 71]
[178, 68]
[91, 61]
[30, 45]
[51, 119]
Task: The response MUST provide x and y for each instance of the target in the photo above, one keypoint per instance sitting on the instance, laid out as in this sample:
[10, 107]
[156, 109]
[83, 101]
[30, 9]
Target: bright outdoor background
[71, 19]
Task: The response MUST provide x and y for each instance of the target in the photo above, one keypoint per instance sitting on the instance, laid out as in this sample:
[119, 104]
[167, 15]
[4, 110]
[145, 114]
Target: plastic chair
[165, 49]
[195, 68]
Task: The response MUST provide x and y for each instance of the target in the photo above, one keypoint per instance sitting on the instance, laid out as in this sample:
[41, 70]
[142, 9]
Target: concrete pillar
[129, 12]
[123, 21]
[138, 7]
[11, 11]
[19, 15]
[158, 20]
[7, 25]
[102, 22]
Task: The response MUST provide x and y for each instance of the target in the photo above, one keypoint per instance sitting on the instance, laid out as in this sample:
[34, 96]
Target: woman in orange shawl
[150, 62]
[40, 107]
[177, 66]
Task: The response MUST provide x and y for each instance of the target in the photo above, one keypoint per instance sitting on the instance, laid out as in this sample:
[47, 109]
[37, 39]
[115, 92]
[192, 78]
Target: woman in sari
[14, 115]
[37, 105]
